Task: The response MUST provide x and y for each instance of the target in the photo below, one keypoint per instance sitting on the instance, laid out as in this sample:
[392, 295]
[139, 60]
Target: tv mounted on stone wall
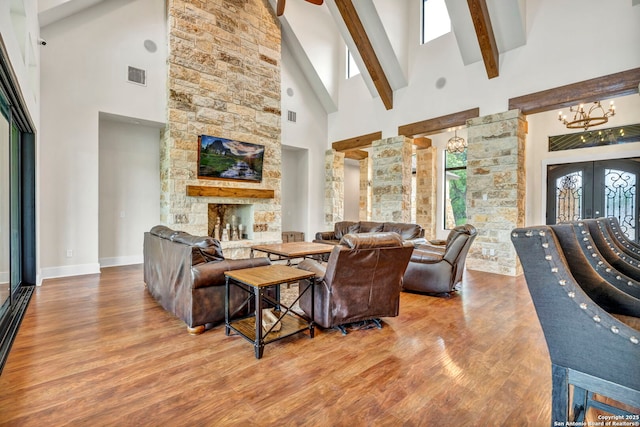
[222, 158]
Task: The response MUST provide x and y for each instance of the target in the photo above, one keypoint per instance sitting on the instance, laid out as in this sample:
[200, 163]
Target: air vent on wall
[137, 76]
[291, 116]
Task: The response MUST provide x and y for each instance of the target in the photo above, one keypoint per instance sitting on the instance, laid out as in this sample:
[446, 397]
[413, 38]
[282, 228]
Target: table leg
[259, 343]
[312, 283]
[227, 330]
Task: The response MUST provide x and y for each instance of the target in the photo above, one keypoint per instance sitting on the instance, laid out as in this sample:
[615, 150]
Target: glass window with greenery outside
[455, 200]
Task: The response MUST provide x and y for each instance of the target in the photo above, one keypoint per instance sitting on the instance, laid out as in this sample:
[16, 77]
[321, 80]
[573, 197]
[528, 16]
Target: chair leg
[579, 403]
[342, 329]
[559, 395]
[378, 322]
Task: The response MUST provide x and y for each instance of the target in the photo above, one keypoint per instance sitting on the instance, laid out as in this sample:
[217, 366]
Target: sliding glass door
[17, 210]
[5, 233]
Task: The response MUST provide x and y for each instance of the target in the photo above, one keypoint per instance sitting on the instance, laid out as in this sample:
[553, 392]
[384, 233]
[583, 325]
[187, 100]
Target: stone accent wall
[224, 80]
[334, 187]
[391, 180]
[365, 190]
[426, 185]
[496, 189]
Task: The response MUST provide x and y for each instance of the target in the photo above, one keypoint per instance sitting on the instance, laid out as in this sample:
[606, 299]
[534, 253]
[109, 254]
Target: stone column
[391, 181]
[210, 92]
[365, 189]
[496, 189]
[426, 180]
[333, 187]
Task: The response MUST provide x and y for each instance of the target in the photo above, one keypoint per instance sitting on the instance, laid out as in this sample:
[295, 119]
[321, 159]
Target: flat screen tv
[222, 158]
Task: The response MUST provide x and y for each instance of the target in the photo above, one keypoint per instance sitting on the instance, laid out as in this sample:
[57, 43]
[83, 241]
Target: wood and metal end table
[255, 282]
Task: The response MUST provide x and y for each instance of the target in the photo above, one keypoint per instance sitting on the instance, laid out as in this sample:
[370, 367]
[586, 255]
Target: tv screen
[222, 158]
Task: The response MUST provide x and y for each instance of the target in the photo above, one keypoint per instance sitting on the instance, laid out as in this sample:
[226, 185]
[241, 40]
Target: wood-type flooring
[99, 351]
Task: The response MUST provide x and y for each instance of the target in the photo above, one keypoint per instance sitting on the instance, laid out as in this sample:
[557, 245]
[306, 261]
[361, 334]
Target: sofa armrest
[424, 256]
[326, 235]
[315, 267]
[212, 273]
[428, 247]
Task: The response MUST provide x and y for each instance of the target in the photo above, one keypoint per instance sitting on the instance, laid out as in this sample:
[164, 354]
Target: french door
[595, 189]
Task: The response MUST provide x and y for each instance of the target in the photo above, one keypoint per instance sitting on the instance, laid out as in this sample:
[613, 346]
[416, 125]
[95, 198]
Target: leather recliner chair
[361, 280]
[436, 270]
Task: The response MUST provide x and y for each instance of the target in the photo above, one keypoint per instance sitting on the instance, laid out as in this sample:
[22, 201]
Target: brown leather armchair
[436, 270]
[361, 280]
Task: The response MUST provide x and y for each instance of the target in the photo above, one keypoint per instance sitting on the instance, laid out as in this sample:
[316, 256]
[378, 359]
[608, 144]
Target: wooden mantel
[241, 193]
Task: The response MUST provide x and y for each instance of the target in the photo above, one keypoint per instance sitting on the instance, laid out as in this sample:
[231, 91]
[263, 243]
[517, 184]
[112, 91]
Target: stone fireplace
[223, 80]
[230, 222]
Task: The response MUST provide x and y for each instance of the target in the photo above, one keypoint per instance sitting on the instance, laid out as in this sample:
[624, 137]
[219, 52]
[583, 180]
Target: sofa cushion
[370, 227]
[344, 227]
[406, 231]
[205, 248]
[162, 231]
[371, 240]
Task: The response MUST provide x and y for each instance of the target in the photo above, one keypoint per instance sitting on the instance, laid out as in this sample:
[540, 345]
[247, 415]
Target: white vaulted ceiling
[317, 35]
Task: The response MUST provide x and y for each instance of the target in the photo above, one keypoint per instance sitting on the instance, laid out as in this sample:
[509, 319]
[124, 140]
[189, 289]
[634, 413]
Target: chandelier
[456, 144]
[585, 119]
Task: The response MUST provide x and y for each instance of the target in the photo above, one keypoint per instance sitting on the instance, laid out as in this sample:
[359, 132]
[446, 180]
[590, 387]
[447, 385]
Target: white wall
[351, 190]
[551, 58]
[84, 73]
[20, 33]
[538, 157]
[567, 41]
[129, 189]
[308, 133]
[295, 198]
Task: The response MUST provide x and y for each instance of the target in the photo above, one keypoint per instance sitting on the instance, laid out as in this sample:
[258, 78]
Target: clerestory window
[435, 20]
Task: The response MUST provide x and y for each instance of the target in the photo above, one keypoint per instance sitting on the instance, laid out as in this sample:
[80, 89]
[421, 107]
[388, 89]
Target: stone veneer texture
[333, 187]
[496, 189]
[391, 179]
[364, 212]
[426, 179]
[224, 80]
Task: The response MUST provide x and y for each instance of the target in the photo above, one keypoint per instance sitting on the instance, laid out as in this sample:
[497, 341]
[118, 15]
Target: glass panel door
[595, 189]
[15, 214]
[5, 234]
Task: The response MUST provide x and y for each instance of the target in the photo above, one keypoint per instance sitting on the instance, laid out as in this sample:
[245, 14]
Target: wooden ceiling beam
[438, 124]
[368, 55]
[422, 142]
[356, 154]
[356, 143]
[486, 38]
[605, 87]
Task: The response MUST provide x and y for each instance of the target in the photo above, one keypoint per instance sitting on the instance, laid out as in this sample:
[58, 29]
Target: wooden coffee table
[291, 250]
[255, 281]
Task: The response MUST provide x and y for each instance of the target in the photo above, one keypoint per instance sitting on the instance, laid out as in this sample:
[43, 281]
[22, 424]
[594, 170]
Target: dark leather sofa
[361, 281]
[411, 232]
[185, 274]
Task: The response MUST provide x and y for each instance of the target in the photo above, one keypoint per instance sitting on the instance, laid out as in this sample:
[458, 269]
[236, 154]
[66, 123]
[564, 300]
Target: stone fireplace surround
[223, 80]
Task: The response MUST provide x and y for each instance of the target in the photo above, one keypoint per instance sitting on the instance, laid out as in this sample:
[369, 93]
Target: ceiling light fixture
[585, 119]
[456, 144]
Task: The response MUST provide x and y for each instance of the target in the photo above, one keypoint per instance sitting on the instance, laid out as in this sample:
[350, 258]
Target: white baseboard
[69, 270]
[4, 278]
[120, 260]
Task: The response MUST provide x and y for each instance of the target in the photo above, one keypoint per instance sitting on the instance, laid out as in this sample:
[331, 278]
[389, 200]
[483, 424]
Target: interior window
[352, 67]
[455, 178]
[435, 20]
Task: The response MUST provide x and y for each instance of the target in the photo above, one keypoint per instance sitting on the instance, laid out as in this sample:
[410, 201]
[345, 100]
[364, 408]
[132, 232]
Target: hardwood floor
[98, 350]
